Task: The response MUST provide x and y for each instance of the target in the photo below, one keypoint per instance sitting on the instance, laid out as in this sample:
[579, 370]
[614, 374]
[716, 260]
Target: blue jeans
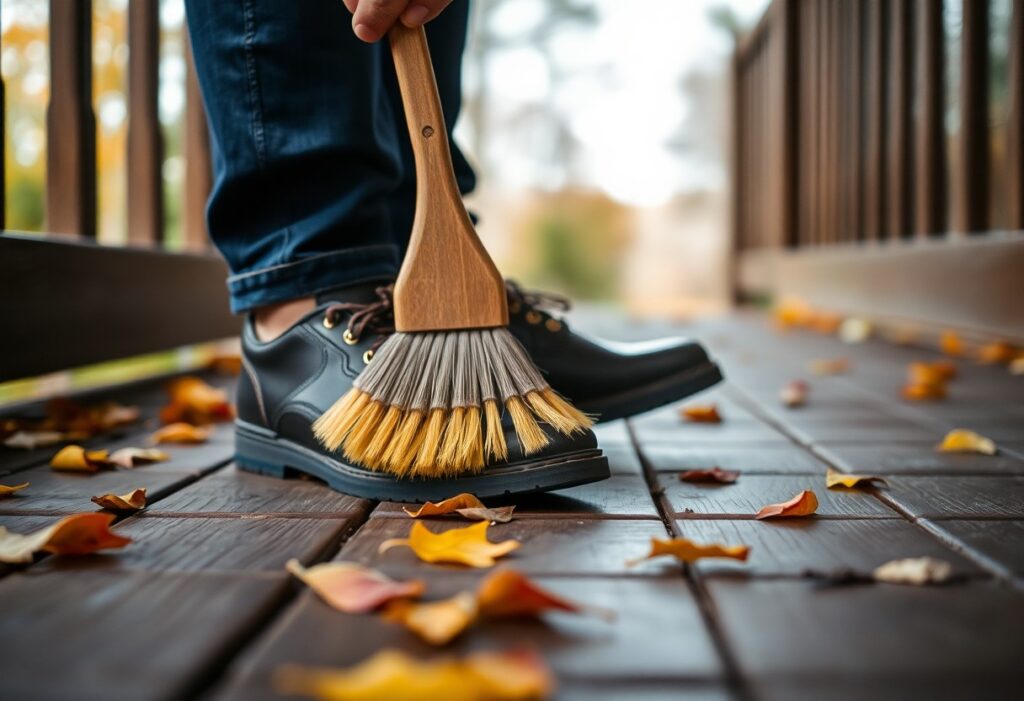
[314, 184]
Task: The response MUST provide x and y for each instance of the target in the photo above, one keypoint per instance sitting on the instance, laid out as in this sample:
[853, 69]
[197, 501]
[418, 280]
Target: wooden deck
[199, 606]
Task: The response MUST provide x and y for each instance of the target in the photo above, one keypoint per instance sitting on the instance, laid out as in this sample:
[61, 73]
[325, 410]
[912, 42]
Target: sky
[622, 102]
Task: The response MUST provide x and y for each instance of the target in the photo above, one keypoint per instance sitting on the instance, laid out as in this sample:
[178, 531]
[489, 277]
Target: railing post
[198, 176]
[930, 171]
[787, 29]
[972, 190]
[876, 142]
[1015, 120]
[900, 202]
[70, 122]
[145, 142]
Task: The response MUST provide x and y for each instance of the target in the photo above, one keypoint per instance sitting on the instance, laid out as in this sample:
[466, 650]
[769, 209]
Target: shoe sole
[262, 451]
[653, 395]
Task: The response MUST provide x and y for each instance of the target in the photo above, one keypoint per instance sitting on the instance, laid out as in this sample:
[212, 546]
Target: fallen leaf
[923, 392]
[6, 491]
[701, 414]
[834, 478]
[63, 414]
[950, 344]
[917, 570]
[803, 504]
[997, 353]
[792, 313]
[715, 474]
[826, 322]
[855, 330]
[464, 546]
[465, 505]
[436, 622]
[78, 534]
[75, 458]
[133, 501]
[498, 514]
[30, 440]
[686, 550]
[352, 588]
[830, 366]
[180, 433]
[508, 592]
[226, 364]
[1017, 365]
[391, 675]
[194, 401]
[933, 373]
[794, 394]
[960, 440]
[134, 457]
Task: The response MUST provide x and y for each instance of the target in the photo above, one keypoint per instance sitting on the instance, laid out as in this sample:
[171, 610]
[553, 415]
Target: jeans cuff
[311, 276]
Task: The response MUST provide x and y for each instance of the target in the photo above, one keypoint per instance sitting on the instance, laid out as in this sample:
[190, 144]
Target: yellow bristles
[494, 443]
[362, 433]
[531, 437]
[426, 456]
[556, 412]
[472, 451]
[399, 455]
[453, 441]
[382, 437]
[335, 424]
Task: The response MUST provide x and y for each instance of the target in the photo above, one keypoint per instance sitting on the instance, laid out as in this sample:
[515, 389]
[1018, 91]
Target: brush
[431, 401]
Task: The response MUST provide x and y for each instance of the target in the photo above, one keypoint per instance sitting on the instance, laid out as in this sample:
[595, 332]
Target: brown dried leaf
[352, 588]
[498, 514]
[701, 414]
[686, 550]
[436, 622]
[715, 474]
[834, 478]
[924, 392]
[78, 534]
[6, 491]
[507, 592]
[997, 353]
[803, 504]
[195, 402]
[448, 506]
[134, 457]
[180, 433]
[125, 503]
[75, 458]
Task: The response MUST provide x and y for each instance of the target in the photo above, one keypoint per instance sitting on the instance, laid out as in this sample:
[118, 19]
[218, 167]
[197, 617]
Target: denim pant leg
[305, 147]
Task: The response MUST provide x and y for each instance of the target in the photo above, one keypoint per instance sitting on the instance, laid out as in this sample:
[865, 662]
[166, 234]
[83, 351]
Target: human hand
[371, 19]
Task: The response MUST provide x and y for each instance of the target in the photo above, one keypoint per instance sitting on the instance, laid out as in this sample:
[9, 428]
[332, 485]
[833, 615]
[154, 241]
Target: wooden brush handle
[447, 280]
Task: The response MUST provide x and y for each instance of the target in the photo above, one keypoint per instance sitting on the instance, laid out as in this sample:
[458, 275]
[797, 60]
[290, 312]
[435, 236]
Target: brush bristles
[431, 405]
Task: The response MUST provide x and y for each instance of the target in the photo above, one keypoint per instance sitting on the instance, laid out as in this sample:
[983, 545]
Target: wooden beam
[973, 144]
[145, 141]
[1015, 120]
[900, 193]
[82, 303]
[70, 122]
[198, 172]
[930, 170]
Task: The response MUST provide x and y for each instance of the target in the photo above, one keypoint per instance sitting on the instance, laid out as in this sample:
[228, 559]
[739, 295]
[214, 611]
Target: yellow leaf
[803, 504]
[688, 551]
[133, 501]
[999, 353]
[133, 457]
[6, 491]
[934, 373]
[924, 392]
[702, 414]
[508, 592]
[834, 478]
[950, 344]
[391, 675]
[465, 546]
[79, 534]
[830, 366]
[960, 440]
[436, 622]
[75, 458]
[352, 588]
[916, 570]
[180, 433]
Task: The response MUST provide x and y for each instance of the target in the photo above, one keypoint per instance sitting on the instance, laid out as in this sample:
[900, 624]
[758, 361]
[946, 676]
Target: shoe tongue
[360, 293]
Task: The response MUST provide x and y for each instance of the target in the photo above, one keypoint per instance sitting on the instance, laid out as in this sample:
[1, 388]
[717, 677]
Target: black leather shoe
[290, 381]
[608, 380]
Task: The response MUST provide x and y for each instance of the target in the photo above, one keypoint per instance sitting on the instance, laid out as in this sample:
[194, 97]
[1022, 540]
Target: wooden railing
[840, 142]
[69, 300]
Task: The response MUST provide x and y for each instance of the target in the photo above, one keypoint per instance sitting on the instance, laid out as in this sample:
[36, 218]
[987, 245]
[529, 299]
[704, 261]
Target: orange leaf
[78, 534]
[715, 474]
[75, 458]
[180, 433]
[436, 622]
[226, 364]
[508, 592]
[997, 353]
[688, 551]
[465, 505]
[960, 440]
[133, 457]
[194, 401]
[6, 491]
[834, 478]
[950, 344]
[794, 394]
[934, 373]
[392, 675]
[1017, 365]
[830, 366]
[352, 588]
[464, 546]
[803, 504]
[702, 414]
[924, 392]
[133, 501]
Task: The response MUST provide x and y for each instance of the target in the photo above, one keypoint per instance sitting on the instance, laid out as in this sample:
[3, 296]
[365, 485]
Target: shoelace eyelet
[514, 307]
[329, 322]
[533, 317]
[367, 357]
[553, 325]
[349, 338]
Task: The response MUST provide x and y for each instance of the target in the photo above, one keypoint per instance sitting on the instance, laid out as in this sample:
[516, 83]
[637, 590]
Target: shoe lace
[378, 317]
